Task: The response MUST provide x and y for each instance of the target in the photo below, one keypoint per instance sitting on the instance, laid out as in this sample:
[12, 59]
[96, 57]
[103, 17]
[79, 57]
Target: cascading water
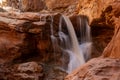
[76, 56]
[69, 43]
[85, 37]
[53, 39]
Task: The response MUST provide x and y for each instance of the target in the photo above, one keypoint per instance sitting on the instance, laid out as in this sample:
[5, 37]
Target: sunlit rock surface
[97, 69]
[112, 50]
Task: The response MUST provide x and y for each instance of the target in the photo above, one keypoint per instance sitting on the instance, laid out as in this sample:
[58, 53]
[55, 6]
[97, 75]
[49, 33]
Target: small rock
[29, 67]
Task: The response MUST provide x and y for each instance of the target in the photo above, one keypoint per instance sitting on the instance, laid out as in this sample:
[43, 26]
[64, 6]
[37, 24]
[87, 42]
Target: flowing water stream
[85, 36]
[78, 52]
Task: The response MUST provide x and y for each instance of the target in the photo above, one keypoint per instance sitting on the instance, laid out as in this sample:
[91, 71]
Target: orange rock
[97, 69]
[112, 50]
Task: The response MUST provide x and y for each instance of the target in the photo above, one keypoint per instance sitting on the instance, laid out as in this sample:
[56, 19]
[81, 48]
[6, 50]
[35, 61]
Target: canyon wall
[25, 38]
[100, 20]
[104, 14]
[113, 48]
[39, 5]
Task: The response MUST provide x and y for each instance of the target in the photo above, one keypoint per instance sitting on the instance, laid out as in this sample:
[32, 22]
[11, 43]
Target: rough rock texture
[19, 35]
[57, 4]
[112, 50]
[100, 15]
[32, 5]
[25, 5]
[25, 37]
[14, 39]
[97, 69]
[29, 66]
[101, 36]
[29, 70]
[93, 8]
[21, 71]
[66, 6]
[12, 3]
[24, 32]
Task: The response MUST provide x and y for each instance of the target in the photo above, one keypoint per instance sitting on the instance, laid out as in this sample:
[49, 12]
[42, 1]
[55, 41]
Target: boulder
[27, 71]
[29, 67]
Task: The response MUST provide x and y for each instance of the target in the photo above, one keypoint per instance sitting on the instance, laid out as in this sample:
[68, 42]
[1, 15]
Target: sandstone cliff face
[32, 5]
[93, 8]
[113, 48]
[39, 5]
[18, 35]
[26, 37]
[57, 4]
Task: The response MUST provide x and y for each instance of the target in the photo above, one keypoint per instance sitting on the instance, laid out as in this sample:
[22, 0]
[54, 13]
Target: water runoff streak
[85, 37]
[69, 43]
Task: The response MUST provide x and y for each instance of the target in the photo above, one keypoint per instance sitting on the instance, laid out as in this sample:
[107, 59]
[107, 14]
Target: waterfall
[76, 56]
[85, 37]
[77, 51]
[64, 38]
[53, 39]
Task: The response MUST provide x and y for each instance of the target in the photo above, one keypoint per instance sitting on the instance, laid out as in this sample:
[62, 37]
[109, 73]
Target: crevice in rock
[101, 36]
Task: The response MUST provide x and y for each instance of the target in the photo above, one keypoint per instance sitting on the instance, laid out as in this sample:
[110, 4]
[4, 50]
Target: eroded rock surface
[21, 71]
[97, 69]
[25, 37]
[112, 50]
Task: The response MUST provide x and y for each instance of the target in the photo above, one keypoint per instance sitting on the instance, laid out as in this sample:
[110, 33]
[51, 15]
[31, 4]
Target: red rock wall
[32, 5]
[57, 4]
[38, 5]
[112, 50]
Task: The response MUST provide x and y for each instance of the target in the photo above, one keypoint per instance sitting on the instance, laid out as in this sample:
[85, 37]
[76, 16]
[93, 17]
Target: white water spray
[76, 56]
[69, 43]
